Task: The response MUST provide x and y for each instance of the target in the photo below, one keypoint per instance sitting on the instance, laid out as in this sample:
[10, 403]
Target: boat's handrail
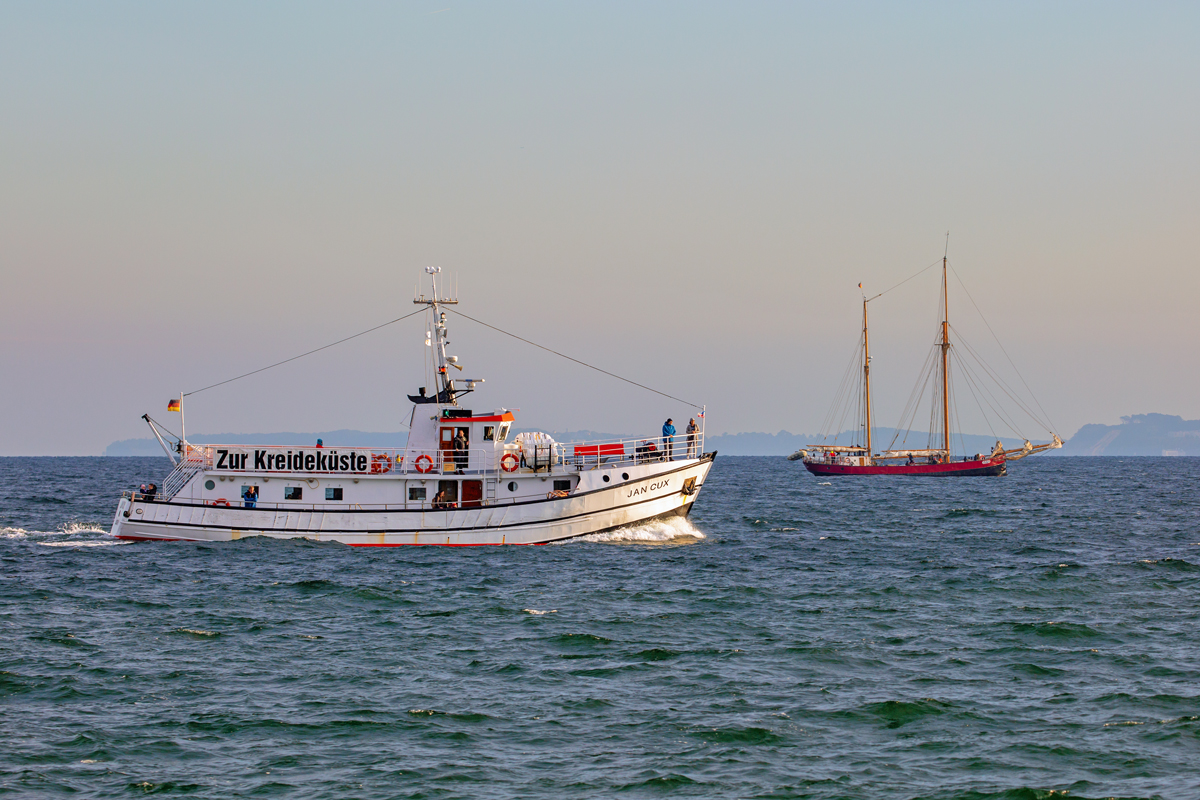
[520, 455]
[290, 506]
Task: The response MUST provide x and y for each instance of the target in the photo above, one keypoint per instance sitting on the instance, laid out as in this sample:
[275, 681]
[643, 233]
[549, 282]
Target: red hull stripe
[952, 468]
[348, 544]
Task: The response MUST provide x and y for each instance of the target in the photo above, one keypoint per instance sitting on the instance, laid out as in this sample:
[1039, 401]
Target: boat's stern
[122, 514]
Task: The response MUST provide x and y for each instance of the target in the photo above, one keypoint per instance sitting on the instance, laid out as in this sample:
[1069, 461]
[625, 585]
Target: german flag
[173, 405]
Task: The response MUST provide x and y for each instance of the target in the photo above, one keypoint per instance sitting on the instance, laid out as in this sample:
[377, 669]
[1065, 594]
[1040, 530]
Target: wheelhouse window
[333, 493]
[502, 434]
[489, 433]
[292, 493]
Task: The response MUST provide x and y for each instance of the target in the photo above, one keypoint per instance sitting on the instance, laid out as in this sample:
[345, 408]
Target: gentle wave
[909, 639]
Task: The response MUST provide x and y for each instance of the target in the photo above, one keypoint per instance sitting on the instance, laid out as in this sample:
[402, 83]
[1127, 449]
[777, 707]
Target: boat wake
[69, 534]
[675, 530]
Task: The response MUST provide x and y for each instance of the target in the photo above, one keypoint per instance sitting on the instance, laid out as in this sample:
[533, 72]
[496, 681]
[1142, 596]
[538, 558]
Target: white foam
[65, 529]
[82, 544]
[69, 528]
[675, 529]
[539, 613]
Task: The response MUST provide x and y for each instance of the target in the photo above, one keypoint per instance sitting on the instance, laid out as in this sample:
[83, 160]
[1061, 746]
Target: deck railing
[523, 455]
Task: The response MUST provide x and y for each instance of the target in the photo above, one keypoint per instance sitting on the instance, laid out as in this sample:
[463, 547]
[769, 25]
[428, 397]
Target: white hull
[652, 491]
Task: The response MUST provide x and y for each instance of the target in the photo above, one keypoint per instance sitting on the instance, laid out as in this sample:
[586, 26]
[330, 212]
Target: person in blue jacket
[668, 432]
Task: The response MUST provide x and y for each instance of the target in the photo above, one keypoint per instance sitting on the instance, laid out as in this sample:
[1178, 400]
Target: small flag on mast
[173, 405]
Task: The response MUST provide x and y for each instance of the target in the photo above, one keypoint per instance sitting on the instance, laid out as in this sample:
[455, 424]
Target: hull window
[292, 493]
[333, 493]
[415, 493]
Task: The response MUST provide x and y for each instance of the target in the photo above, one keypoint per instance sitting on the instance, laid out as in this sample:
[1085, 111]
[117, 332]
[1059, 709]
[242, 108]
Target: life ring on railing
[509, 462]
[423, 463]
[380, 463]
[220, 501]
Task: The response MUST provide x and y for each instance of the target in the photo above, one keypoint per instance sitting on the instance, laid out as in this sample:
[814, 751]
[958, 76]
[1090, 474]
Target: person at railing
[691, 431]
[668, 439]
[320, 442]
[148, 492]
[250, 496]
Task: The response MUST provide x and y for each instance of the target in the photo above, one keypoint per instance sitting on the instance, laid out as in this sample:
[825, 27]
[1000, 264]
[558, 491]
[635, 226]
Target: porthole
[210, 485]
[606, 479]
[512, 486]
[624, 476]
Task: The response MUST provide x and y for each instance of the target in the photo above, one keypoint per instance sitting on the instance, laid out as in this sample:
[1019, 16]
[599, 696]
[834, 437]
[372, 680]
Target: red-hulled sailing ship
[936, 459]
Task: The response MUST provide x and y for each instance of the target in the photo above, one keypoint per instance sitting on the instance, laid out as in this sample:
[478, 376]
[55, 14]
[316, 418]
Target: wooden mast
[945, 357]
[867, 376]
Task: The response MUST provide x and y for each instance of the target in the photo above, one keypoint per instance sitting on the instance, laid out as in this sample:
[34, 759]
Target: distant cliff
[1137, 435]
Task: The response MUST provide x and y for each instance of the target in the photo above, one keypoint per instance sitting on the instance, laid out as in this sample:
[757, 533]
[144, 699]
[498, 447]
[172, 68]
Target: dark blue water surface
[1012, 637]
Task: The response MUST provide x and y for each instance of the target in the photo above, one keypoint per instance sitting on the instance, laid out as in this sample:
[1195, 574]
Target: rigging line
[971, 387]
[1003, 415]
[908, 414]
[302, 355]
[577, 361]
[908, 417]
[842, 401]
[1004, 387]
[987, 393]
[831, 415]
[997, 338]
[906, 280]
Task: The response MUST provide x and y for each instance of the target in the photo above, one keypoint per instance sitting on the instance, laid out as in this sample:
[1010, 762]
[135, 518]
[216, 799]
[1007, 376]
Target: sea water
[1015, 637]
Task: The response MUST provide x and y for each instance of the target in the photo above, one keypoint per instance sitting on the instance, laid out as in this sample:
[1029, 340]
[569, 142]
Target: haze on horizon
[686, 194]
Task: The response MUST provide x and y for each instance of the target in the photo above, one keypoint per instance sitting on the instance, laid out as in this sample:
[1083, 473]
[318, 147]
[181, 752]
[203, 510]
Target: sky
[686, 194]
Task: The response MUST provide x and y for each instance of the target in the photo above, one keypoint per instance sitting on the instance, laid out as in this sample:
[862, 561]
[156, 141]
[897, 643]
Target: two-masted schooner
[936, 458]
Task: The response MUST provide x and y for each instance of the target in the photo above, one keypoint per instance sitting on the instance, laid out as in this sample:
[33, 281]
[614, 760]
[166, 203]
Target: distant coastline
[1137, 435]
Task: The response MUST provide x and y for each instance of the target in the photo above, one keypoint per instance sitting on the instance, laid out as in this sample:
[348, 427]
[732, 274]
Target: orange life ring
[509, 462]
[221, 501]
[427, 466]
[380, 463]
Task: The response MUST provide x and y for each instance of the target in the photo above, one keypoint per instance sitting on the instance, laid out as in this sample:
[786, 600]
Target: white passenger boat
[464, 478]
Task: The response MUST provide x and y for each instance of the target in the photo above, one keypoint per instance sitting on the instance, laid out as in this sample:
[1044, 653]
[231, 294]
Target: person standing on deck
[668, 434]
[691, 430]
[460, 452]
